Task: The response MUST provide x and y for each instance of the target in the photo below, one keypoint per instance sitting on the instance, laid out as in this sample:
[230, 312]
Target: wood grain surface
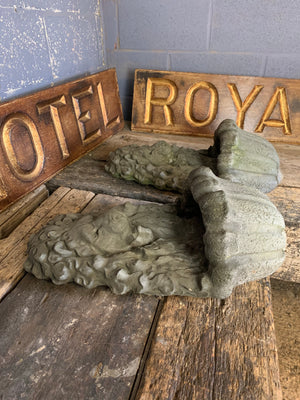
[194, 104]
[66, 342]
[88, 174]
[43, 132]
[287, 200]
[212, 349]
[16, 213]
[285, 305]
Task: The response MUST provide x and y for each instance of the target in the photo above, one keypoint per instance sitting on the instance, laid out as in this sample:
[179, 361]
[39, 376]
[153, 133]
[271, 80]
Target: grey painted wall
[241, 37]
[45, 42]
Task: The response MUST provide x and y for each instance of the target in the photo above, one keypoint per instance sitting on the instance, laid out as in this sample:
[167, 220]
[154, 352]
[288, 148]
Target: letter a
[280, 97]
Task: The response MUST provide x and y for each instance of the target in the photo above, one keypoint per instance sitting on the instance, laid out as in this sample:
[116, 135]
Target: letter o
[25, 121]
[213, 104]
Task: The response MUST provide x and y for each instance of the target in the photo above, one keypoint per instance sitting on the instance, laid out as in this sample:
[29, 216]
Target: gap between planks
[137, 381]
[212, 349]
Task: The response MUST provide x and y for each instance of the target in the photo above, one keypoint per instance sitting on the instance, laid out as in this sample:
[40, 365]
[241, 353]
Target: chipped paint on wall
[44, 43]
[258, 38]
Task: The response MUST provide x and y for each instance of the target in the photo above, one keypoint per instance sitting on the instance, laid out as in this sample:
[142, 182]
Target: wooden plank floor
[285, 305]
[212, 349]
[67, 342]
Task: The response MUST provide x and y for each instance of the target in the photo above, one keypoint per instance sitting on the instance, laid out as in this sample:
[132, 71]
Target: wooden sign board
[43, 132]
[194, 104]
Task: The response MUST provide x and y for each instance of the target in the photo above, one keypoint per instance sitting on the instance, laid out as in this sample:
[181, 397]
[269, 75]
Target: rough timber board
[211, 349]
[68, 342]
[287, 200]
[195, 104]
[88, 174]
[285, 305]
[45, 131]
[16, 213]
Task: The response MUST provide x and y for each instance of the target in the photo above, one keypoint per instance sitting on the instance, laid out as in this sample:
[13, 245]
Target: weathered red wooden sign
[43, 132]
[194, 104]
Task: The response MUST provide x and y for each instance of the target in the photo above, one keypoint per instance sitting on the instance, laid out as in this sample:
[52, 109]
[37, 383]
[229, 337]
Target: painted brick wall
[245, 37]
[44, 42]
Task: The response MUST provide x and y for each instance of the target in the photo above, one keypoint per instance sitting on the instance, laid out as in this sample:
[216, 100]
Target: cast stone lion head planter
[236, 155]
[236, 236]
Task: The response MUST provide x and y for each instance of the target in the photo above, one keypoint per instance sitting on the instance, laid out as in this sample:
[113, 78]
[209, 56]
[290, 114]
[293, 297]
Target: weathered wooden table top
[67, 342]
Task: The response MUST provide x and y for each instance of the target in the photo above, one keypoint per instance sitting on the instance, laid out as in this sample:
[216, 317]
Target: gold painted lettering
[159, 101]
[280, 97]
[20, 119]
[189, 102]
[242, 107]
[52, 107]
[107, 123]
[83, 117]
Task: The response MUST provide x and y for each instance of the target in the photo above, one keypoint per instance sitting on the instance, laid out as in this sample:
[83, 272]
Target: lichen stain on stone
[33, 353]
[100, 371]
[71, 323]
[96, 371]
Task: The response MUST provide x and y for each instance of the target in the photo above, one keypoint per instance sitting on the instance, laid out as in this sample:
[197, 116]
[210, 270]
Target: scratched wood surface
[212, 349]
[45, 131]
[194, 104]
[285, 305]
[287, 200]
[61, 342]
[16, 213]
[66, 342]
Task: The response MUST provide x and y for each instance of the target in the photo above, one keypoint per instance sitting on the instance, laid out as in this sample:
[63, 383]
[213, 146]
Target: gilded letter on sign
[242, 107]
[158, 101]
[189, 101]
[83, 117]
[52, 107]
[280, 97]
[107, 123]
